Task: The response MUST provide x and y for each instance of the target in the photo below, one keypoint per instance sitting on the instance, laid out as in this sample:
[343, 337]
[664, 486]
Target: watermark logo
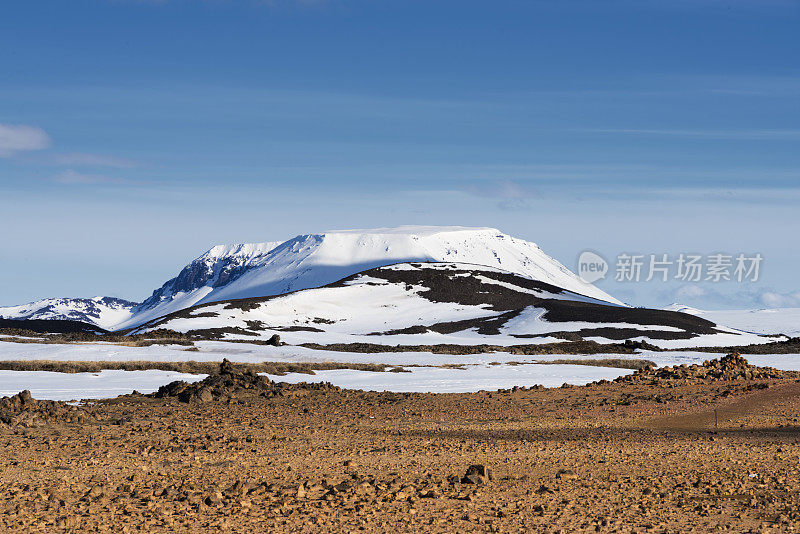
[591, 266]
[718, 267]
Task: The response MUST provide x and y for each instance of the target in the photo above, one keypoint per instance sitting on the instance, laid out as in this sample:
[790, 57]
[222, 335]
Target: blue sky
[135, 135]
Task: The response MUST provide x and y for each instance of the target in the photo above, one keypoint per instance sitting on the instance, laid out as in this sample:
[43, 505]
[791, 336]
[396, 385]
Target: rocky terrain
[231, 382]
[732, 367]
[22, 410]
[706, 448]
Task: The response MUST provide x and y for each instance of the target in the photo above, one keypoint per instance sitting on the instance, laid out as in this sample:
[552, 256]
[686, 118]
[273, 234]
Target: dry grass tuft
[190, 367]
[617, 363]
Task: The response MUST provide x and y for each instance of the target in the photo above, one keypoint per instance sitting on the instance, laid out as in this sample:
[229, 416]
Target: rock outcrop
[730, 367]
[25, 411]
[230, 383]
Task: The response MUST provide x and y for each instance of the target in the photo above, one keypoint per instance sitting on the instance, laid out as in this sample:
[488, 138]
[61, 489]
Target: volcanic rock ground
[703, 449]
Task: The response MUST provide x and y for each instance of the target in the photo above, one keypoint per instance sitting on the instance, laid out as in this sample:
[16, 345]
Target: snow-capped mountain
[104, 312]
[308, 261]
[443, 303]
[314, 260]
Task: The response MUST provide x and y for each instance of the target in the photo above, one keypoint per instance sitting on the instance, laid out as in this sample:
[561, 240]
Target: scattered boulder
[275, 340]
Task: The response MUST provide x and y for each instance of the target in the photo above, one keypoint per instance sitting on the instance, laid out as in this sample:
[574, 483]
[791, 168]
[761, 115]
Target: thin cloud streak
[71, 177]
[716, 134]
[93, 160]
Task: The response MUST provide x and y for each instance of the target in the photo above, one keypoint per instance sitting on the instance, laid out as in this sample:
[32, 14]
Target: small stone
[480, 470]
[214, 499]
[566, 474]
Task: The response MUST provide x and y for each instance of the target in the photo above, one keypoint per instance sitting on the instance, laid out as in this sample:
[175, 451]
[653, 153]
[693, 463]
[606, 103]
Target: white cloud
[72, 177]
[93, 160]
[774, 299]
[19, 137]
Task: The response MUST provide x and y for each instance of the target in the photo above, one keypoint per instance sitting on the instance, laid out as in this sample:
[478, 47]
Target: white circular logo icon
[591, 266]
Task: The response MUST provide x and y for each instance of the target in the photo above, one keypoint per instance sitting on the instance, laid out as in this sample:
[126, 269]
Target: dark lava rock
[229, 382]
[232, 382]
[640, 345]
[23, 410]
[730, 367]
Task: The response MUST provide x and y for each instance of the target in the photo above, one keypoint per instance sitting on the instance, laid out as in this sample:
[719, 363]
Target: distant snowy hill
[762, 321]
[444, 303]
[104, 312]
[314, 260]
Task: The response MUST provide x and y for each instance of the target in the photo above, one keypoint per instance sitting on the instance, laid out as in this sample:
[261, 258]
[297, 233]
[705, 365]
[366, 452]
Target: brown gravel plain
[644, 454]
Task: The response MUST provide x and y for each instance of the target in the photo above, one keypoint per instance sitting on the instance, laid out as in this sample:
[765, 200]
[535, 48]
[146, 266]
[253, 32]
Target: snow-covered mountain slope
[216, 268]
[761, 321]
[444, 303]
[314, 260]
[104, 312]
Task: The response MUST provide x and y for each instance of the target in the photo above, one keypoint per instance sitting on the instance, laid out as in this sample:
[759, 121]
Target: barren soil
[642, 455]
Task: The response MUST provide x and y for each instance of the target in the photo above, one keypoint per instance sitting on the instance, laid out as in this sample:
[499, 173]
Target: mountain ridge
[243, 270]
[417, 303]
[105, 312]
[314, 260]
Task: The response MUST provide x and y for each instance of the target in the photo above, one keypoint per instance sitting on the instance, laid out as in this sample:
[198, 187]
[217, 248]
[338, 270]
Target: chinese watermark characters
[688, 267]
[718, 267]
